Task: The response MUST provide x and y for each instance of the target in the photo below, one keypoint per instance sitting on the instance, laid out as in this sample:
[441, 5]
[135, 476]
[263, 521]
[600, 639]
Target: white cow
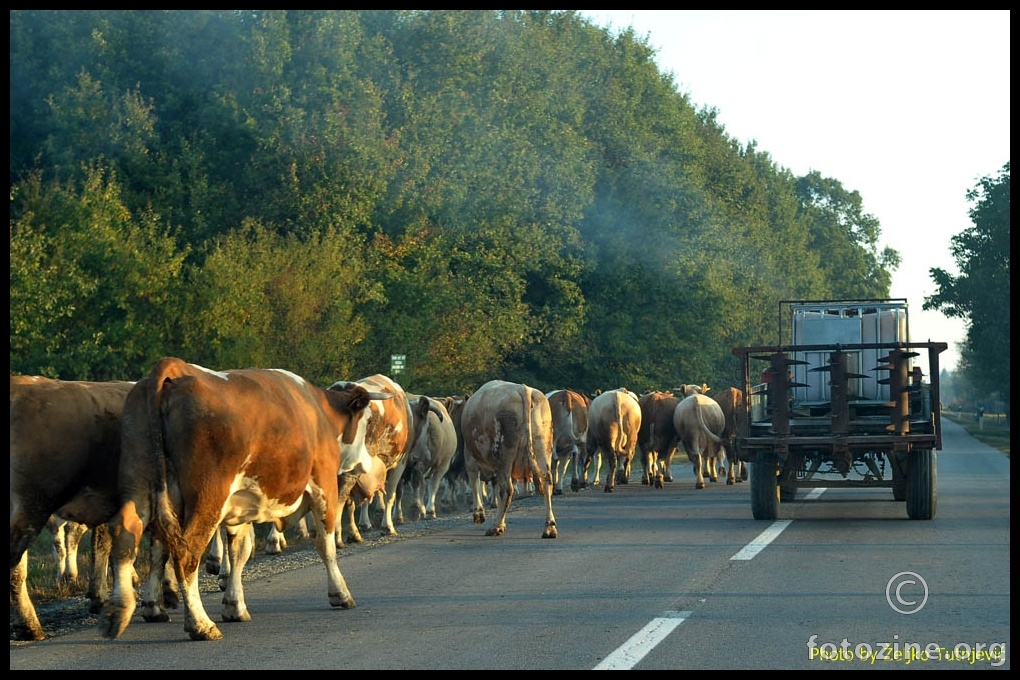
[699, 424]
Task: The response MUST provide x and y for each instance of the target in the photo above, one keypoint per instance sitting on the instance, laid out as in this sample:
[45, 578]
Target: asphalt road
[642, 578]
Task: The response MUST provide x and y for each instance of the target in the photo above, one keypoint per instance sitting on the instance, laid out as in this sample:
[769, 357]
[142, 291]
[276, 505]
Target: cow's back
[65, 439]
[508, 435]
[698, 415]
[64, 456]
[731, 401]
[614, 414]
[657, 420]
[569, 418]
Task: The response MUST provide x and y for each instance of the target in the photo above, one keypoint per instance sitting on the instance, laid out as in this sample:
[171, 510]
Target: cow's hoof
[608, 489]
[342, 601]
[28, 633]
[479, 517]
[550, 531]
[212, 566]
[209, 633]
[153, 613]
[557, 492]
[496, 531]
[699, 485]
[659, 484]
[114, 620]
[730, 482]
[231, 614]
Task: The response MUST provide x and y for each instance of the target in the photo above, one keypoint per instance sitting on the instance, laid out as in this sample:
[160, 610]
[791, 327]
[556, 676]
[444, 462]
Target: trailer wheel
[922, 485]
[898, 461]
[764, 488]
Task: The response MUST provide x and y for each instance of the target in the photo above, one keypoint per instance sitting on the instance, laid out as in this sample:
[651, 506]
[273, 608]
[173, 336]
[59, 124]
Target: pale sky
[909, 108]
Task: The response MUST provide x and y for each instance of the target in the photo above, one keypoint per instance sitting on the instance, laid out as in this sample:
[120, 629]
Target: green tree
[263, 299]
[980, 294]
[92, 286]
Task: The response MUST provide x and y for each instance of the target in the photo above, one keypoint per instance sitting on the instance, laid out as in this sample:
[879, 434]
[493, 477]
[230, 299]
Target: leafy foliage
[494, 193]
[980, 293]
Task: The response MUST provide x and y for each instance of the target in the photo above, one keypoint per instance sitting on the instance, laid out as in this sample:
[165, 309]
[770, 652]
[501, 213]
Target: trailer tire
[764, 488]
[899, 461]
[922, 485]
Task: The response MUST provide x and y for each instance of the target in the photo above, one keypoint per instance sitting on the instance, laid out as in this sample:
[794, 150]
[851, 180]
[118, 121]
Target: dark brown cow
[202, 448]
[614, 419]
[508, 437]
[731, 401]
[657, 437]
[65, 449]
[458, 486]
[570, 434]
[699, 424]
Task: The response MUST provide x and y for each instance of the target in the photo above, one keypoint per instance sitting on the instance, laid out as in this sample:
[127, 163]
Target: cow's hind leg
[504, 491]
[611, 473]
[99, 577]
[26, 626]
[154, 606]
[697, 462]
[240, 545]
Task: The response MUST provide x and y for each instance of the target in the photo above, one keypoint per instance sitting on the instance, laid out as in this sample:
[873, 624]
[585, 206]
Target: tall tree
[980, 294]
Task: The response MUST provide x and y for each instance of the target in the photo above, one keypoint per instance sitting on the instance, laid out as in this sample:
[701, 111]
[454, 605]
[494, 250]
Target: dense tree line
[515, 193]
[980, 294]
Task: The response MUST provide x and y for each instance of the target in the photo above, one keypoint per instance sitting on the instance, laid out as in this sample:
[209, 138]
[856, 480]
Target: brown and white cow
[202, 448]
[731, 401]
[657, 437]
[65, 449]
[390, 429]
[570, 434]
[508, 437]
[614, 419]
[699, 424]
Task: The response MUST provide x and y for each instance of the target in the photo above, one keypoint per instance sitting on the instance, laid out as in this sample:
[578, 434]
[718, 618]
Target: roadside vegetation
[991, 429]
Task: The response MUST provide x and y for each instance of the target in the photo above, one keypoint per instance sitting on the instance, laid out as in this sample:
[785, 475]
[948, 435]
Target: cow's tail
[621, 442]
[704, 426]
[165, 515]
[529, 409]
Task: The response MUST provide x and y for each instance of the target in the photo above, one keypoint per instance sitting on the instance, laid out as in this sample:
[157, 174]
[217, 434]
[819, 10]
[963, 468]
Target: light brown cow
[65, 449]
[699, 424]
[657, 437]
[570, 435]
[731, 401]
[508, 437]
[202, 448]
[614, 419]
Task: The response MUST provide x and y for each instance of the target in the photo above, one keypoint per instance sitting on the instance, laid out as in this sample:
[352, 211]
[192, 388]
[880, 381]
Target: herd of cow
[193, 458]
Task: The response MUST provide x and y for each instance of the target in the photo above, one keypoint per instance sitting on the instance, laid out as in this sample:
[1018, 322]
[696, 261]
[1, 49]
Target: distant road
[642, 578]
